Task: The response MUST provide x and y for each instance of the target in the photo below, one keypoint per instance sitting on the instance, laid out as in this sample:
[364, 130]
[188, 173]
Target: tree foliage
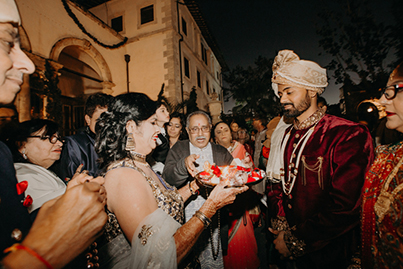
[189, 105]
[251, 88]
[357, 43]
[397, 30]
[53, 93]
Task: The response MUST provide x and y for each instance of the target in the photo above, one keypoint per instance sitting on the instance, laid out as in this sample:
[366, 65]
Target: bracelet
[203, 218]
[191, 190]
[17, 246]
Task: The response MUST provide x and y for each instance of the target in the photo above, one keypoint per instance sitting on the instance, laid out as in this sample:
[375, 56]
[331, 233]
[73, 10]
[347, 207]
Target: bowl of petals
[234, 176]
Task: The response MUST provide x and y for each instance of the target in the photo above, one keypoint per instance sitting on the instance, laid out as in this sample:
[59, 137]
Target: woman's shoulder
[394, 148]
[125, 174]
[29, 168]
[125, 181]
[123, 169]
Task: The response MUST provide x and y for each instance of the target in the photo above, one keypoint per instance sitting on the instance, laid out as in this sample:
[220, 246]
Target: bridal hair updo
[111, 134]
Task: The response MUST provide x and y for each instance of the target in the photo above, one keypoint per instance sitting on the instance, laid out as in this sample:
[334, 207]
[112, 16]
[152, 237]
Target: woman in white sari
[146, 226]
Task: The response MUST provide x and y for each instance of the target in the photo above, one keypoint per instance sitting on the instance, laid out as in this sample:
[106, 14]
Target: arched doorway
[84, 72]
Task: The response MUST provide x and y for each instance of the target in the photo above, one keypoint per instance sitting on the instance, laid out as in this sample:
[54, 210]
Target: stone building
[87, 46]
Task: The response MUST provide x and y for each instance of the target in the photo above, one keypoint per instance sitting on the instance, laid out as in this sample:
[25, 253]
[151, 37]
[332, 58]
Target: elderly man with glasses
[185, 159]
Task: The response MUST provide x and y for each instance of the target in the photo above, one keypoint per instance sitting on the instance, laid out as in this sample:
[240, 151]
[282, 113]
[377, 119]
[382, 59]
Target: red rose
[216, 170]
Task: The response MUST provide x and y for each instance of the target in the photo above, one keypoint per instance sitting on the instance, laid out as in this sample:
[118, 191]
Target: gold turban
[289, 69]
[9, 12]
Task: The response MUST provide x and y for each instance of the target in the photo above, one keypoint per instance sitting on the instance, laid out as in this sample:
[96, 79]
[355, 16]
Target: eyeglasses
[391, 91]
[52, 139]
[174, 125]
[195, 130]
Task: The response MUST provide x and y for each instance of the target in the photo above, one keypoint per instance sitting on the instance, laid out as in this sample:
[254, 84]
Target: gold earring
[130, 144]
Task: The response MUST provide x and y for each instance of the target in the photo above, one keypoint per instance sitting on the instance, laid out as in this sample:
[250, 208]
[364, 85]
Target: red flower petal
[251, 179]
[28, 201]
[243, 169]
[22, 186]
[216, 170]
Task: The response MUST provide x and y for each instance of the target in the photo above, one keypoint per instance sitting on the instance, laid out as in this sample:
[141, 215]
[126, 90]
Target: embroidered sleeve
[294, 245]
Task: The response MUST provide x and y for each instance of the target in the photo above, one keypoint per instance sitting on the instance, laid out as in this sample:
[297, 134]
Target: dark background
[245, 29]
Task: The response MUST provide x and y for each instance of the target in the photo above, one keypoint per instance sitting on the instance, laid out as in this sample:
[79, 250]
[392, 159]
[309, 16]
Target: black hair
[399, 69]
[163, 103]
[97, 100]
[321, 100]
[263, 119]
[111, 134]
[23, 130]
[215, 126]
[183, 135]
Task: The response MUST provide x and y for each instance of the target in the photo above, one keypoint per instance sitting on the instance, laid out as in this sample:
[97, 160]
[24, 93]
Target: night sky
[245, 29]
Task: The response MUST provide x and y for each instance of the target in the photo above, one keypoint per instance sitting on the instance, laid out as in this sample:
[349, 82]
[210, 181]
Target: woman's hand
[82, 176]
[220, 197]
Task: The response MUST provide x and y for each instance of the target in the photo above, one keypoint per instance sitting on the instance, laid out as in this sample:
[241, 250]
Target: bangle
[17, 246]
[203, 218]
[191, 190]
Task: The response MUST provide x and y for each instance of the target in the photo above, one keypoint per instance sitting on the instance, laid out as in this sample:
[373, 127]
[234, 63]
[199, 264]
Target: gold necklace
[385, 198]
[138, 157]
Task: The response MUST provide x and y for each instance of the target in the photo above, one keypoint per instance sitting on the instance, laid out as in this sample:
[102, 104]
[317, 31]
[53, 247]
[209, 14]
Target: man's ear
[87, 119]
[312, 93]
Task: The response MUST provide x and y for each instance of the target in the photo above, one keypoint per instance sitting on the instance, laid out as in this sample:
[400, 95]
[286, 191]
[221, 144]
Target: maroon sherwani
[323, 206]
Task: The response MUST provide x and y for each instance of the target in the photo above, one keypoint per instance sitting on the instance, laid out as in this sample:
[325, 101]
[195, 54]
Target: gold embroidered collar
[311, 120]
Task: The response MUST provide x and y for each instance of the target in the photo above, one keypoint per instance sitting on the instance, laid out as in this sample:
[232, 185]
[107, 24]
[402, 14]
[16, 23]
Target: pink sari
[242, 247]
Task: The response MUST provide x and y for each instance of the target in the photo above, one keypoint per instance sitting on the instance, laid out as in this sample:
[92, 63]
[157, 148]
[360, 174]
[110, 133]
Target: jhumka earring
[130, 144]
[24, 155]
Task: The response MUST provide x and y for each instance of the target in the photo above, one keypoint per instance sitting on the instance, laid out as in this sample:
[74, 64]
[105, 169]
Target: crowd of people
[122, 193]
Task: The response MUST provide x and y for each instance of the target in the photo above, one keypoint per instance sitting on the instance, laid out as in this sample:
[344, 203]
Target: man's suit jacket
[175, 171]
[14, 218]
[78, 149]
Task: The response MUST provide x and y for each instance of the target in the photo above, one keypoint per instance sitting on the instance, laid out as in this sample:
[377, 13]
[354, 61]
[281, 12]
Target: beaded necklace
[293, 171]
[311, 122]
